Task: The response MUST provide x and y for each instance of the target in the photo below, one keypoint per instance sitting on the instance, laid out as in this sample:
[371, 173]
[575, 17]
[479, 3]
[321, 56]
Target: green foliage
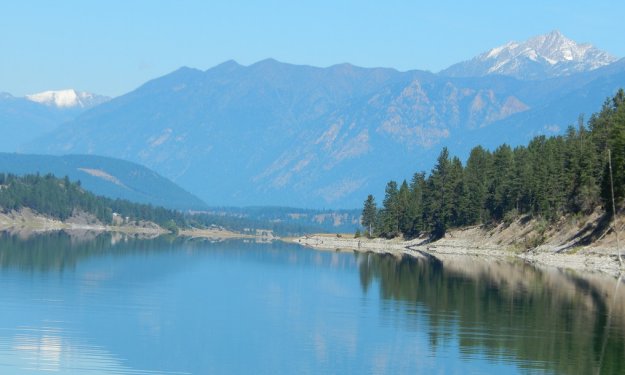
[510, 217]
[369, 213]
[611, 126]
[480, 297]
[477, 174]
[171, 226]
[61, 198]
[549, 177]
[391, 211]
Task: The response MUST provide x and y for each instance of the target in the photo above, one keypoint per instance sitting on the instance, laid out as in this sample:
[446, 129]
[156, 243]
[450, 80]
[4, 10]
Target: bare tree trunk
[618, 247]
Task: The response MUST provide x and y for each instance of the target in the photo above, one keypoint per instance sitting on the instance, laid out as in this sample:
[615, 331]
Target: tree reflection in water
[562, 321]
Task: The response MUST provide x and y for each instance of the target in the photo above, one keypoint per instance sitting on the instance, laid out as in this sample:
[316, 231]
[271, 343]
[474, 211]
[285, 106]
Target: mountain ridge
[272, 133]
[106, 176]
[543, 56]
[291, 130]
[67, 98]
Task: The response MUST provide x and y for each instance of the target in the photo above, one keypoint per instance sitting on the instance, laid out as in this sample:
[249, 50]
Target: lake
[109, 304]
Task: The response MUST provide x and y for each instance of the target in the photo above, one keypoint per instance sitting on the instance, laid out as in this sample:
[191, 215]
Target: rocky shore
[511, 241]
[27, 222]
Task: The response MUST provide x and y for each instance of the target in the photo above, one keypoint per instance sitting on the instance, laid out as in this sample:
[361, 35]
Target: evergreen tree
[499, 199]
[521, 176]
[615, 124]
[459, 205]
[415, 211]
[390, 211]
[440, 191]
[404, 208]
[548, 178]
[477, 180]
[369, 213]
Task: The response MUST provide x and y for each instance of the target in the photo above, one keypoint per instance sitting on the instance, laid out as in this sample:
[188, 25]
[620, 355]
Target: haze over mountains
[280, 134]
[24, 118]
[109, 177]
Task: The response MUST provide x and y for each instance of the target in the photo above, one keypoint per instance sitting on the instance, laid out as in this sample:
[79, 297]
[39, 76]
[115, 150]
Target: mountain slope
[109, 177]
[563, 100]
[280, 134]
[21, 120]
[540, 57]
[24, 119]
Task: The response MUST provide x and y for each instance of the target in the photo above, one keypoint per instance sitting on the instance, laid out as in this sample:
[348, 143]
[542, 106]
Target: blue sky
[111, 47]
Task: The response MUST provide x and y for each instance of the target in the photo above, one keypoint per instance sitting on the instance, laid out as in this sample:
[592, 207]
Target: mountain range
[25, 118]
[280, 134]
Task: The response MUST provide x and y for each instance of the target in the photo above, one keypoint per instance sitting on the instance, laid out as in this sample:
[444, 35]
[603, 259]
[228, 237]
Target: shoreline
[26, 222]
[462, 242]
[503, 241]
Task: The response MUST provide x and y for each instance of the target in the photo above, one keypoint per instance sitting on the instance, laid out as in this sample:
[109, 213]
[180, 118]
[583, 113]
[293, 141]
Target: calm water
[109, 305]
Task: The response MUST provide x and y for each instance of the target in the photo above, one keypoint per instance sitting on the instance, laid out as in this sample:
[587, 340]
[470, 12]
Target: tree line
[547, 178]
[61, 198]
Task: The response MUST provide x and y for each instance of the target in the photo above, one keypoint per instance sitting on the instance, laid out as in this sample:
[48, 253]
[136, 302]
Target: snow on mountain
[69, 98]
[540, 57]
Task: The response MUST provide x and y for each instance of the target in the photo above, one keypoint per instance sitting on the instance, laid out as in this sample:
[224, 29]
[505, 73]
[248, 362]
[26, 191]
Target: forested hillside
[61, 198]
[548, 178]
[110, 177]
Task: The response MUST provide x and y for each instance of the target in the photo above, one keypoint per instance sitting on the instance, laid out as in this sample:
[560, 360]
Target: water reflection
[102, 304]
[61, 251]
[116, 306]
[35, 350]
[544, 319]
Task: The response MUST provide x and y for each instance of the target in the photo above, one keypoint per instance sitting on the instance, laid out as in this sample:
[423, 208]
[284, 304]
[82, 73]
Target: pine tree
[477, 180]
[405, 209]
[521, 176]
[441, 196]
[369, 213]
[390, 211]
[499, 199]
[415, 211]
[607, 132]
[458, 209]
[548, 178]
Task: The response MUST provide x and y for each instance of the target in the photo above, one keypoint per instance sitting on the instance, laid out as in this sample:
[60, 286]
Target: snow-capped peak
[68, 98]
[542, 56]
[555, 47]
